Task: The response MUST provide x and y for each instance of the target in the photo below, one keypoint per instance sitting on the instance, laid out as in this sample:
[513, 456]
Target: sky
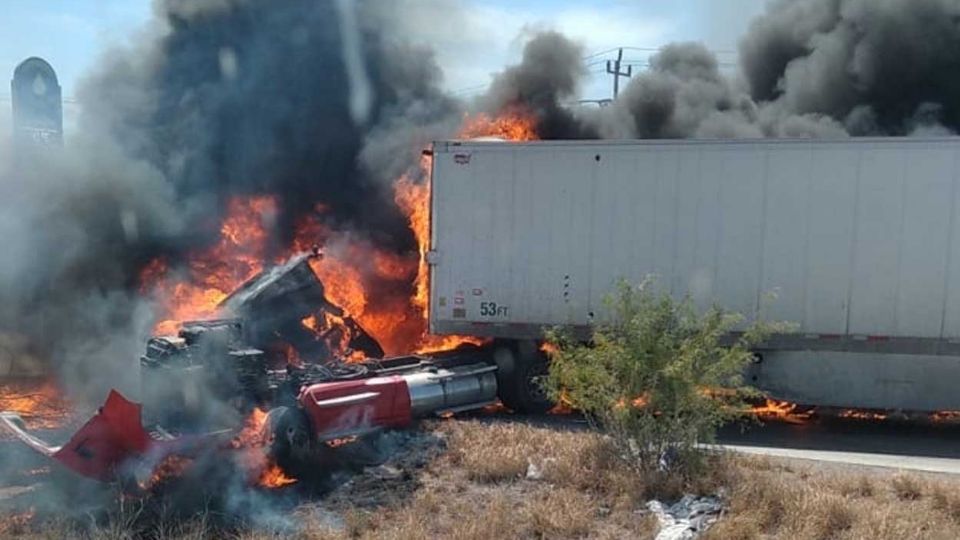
[494, 37]
[71, 34]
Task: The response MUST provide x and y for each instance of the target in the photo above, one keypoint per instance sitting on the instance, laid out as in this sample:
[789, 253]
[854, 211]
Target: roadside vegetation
[660, 377]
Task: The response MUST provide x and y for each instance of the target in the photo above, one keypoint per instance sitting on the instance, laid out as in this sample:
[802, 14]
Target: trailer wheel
[521, 368]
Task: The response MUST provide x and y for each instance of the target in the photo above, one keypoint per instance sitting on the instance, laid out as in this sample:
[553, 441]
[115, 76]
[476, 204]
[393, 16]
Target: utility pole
[613, 68]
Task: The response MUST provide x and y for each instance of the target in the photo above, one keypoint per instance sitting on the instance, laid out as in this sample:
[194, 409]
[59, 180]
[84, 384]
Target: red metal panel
[109, 439]
[354, 407]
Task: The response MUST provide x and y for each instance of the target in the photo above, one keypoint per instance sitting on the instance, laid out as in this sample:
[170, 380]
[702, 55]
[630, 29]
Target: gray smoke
[684, 94]
[549, 74]
[70, 219]
[420, 112]
[810, 68]
[879, 66]
[309, 101]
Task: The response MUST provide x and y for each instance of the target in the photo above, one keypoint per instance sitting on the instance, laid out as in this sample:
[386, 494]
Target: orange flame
[353, 271]
[413, 198]
[273, 477]
[40, 403]
[357, 276]
[945, 416]
[639, 402]
[253, 430]
[213, 274]
[251, 440]
[169, 468]
[513, 124]
[412, 195]
[858, 414]
[563, 406]
[782, 411]
[340, 442]
[291, 355]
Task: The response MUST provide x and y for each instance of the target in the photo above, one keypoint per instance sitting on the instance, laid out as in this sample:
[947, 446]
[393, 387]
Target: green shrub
[660, 377]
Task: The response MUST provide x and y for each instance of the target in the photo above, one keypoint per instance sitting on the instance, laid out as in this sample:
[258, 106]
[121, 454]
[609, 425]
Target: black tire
[521, 369]
[289, 438]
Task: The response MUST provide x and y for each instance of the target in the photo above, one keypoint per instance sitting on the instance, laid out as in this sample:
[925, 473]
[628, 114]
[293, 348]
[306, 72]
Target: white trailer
[858, 238]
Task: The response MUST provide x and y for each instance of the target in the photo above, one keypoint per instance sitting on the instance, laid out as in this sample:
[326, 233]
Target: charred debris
[260, 354]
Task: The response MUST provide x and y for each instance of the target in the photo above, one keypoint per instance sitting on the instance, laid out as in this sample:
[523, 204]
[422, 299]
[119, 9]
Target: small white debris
[688, 518]
[383, 472]
[535, 471]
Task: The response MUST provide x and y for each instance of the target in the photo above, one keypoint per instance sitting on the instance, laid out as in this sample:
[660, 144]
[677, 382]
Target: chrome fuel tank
[443, 390]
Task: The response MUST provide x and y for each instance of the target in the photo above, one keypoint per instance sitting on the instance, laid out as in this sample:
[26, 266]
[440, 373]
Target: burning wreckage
[232, 381]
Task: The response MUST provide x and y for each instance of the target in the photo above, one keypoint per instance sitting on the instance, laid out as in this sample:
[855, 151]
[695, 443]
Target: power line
[646, 63]
[469, 89]
[601, 53]
[658, 49]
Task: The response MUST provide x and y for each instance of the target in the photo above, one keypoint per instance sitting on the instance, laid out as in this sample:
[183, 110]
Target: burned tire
[289, 438]
[521, 368]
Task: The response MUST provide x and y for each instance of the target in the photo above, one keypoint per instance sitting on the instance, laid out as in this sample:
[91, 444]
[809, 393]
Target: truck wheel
[289, 438]
[522, 367]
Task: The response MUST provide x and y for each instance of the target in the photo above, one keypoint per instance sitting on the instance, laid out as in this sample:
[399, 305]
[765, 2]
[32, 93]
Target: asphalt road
[898, 444]
[895, 444]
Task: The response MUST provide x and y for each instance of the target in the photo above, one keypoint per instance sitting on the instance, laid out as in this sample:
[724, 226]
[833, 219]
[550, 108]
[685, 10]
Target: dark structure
[37, 104]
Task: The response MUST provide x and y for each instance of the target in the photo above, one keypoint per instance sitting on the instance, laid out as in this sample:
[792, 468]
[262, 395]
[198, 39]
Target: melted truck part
[274, 302]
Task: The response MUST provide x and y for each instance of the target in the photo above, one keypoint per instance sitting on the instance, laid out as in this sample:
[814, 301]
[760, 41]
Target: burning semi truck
[856, 238]
[201, 386]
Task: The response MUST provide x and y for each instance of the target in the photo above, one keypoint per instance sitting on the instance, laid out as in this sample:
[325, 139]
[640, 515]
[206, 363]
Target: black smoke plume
[304, 100]
[300, 99]
[548, 75]
[881, 67]
[809, 68]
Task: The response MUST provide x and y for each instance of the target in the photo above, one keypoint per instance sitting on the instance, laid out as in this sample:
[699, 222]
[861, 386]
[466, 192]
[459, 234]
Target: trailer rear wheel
[521, 369]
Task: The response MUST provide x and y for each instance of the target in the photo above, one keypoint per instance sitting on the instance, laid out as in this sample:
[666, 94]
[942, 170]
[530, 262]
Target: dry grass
[776, 501]
[861, 486]
[907, 488]
[480, 489]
